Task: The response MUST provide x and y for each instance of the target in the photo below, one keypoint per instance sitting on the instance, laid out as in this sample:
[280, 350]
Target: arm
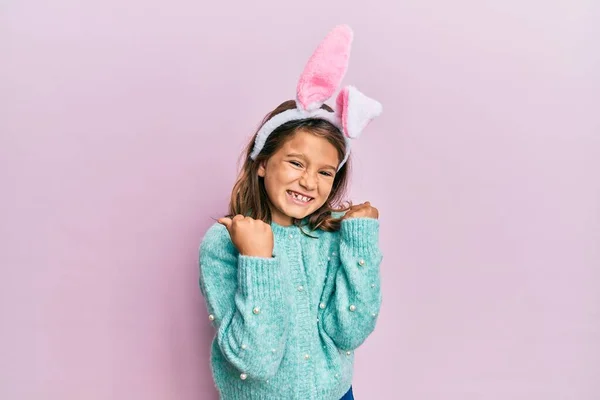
[243, 295]
[351, 313]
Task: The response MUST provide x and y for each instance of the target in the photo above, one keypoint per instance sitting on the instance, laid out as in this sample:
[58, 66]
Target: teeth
[300, 197]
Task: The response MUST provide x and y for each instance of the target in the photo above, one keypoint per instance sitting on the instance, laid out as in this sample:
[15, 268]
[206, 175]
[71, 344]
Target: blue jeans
[348, 395]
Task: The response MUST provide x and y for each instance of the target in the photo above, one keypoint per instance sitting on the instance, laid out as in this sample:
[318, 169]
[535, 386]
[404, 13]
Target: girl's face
[299, 176]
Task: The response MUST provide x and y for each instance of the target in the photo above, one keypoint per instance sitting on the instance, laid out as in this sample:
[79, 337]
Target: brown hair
[249, 196]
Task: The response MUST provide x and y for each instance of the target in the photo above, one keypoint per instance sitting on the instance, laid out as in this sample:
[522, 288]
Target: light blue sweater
[287, 326]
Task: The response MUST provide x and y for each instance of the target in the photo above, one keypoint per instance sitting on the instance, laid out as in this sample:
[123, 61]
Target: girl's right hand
[250, 236]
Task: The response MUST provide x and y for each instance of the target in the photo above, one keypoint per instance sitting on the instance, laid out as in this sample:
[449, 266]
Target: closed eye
[326, 173]
[296, 164]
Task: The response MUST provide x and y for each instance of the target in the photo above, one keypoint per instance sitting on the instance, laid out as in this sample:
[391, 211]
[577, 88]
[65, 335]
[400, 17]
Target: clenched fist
[364, 210]
[250, 236]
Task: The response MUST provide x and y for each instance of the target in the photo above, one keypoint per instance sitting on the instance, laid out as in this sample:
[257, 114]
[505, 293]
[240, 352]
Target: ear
[325, 69]
[356, 111]
[262, 169]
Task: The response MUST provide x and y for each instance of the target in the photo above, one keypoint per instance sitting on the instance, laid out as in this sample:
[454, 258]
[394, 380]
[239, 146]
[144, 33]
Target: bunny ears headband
[320, 79]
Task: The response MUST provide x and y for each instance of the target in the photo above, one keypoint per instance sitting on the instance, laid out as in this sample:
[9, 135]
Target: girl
[291, 279]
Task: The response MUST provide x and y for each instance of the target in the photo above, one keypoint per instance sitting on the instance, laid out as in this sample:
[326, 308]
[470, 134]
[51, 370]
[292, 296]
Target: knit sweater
[287, 326]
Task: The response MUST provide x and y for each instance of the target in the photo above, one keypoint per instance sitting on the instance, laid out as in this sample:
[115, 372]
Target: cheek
[281, 177]
[288, 175]
[325, 187]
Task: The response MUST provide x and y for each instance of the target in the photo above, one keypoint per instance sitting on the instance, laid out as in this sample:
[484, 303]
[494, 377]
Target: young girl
[290, 278]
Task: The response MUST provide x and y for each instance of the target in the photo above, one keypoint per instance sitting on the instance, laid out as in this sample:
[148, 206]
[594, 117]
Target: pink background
[121, 124]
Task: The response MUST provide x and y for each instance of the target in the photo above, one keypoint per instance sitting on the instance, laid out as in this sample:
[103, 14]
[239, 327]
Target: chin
[299, 213]
[293, 208]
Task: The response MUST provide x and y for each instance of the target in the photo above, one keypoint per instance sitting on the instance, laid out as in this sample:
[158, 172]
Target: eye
[296, 164]
[326, 173]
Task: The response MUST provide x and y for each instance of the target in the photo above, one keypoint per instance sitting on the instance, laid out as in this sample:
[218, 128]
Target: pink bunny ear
[325, 69]
[356, 111]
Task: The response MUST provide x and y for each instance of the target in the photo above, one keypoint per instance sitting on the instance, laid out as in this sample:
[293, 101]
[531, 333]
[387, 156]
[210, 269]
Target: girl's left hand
[364, 210]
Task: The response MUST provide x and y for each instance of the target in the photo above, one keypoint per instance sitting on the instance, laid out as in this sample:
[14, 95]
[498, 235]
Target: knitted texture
[287, 326]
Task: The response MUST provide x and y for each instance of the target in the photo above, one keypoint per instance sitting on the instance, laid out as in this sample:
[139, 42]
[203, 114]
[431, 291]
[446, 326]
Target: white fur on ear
[357, 110]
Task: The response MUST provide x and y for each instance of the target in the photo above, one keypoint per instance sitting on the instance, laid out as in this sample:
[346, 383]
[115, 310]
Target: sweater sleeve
[352, 310]
[246, 304]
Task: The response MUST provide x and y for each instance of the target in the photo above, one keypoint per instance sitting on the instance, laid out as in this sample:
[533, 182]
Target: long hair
[249, 196]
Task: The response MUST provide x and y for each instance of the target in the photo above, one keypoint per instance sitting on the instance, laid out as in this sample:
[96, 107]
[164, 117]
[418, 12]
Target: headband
[320, 79]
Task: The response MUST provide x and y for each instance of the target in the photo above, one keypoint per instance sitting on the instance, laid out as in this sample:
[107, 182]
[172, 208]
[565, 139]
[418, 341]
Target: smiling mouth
[299, 198]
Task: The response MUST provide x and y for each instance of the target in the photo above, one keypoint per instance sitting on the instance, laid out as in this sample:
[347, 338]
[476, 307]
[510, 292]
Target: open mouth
[299, 198]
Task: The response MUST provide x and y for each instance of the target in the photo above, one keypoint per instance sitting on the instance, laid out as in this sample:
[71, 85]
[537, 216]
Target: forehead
[315, 148]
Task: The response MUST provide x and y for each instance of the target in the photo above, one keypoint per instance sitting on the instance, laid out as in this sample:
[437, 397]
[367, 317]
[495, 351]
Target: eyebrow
[300, 155]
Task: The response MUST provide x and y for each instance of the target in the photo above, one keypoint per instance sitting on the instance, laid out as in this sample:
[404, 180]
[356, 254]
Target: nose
[308, 181]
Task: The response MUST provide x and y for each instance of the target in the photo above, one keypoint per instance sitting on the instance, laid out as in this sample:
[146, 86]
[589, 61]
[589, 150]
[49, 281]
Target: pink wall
[121, 123]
